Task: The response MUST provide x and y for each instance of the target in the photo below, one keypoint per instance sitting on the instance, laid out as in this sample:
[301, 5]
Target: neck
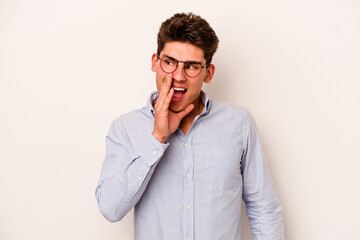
[187, 121]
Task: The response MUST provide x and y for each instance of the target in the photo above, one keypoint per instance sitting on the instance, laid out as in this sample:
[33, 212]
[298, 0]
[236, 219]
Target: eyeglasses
[169, 65]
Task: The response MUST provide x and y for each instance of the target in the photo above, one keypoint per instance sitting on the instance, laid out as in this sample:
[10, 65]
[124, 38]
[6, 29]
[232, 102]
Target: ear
[154, 59]
[210, 70]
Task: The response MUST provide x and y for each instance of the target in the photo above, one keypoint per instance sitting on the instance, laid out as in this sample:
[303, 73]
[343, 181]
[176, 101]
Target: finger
[168, 98]
[166, 87]
[186, 111]
[168, 83]
[164, 90]
[162, 95]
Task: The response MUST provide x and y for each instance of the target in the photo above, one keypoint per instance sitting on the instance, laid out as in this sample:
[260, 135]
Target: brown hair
[188, 28]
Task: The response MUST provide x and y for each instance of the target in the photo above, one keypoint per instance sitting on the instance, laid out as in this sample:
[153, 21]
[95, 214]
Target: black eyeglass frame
[177, 64]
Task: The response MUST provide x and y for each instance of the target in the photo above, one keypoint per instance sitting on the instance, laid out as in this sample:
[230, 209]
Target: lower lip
[178, 99]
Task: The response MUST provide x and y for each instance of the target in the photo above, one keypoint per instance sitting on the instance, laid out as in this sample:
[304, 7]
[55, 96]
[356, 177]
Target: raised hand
[166, 121]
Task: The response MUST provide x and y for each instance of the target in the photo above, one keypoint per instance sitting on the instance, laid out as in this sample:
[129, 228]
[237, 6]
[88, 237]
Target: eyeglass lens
[169, 65]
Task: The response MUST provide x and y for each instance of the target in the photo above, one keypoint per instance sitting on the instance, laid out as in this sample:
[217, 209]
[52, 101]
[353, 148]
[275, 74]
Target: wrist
[159, 138]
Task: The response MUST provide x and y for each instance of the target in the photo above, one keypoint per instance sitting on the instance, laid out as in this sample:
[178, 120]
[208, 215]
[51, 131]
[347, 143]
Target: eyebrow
[182, 61]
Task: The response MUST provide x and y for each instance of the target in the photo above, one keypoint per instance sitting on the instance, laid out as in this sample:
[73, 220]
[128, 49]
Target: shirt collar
[154, 96]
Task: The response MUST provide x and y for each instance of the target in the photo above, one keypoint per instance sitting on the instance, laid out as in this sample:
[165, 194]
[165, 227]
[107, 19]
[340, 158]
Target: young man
[184, 161]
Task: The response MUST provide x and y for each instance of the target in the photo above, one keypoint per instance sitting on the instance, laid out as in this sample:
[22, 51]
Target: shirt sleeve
[124, 176]
[262, 203]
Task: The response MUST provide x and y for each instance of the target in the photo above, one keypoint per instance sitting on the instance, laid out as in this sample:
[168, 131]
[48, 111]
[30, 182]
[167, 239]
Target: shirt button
[185, 144]
[154, 152]
[187, 175]
[187, 207]
[140, 179]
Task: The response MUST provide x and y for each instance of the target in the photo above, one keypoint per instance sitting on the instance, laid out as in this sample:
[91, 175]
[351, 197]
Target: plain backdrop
[68, 68]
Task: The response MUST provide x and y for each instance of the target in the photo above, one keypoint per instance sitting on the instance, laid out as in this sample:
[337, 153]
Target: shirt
[192, 186]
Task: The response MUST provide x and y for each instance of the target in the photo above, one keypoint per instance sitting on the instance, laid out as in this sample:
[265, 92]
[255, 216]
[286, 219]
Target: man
[185, 162]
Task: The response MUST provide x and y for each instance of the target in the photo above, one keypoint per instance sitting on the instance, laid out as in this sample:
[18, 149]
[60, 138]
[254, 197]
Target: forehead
[183, 51]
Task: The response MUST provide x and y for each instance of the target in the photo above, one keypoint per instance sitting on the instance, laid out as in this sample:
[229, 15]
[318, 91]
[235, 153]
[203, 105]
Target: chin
[176, 109]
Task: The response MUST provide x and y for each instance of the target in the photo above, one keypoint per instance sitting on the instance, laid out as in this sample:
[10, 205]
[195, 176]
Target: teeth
[179, 89]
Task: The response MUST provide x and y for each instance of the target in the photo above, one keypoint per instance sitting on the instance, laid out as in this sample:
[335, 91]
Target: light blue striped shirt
[191, 187]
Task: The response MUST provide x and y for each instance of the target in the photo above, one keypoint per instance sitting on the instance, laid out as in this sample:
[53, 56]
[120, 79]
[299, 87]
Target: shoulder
[130, 117]
[228, 122]
[229, 110]
[135, 120]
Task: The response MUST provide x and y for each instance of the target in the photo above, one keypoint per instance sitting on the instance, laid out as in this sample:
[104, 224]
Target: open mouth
[178, 94]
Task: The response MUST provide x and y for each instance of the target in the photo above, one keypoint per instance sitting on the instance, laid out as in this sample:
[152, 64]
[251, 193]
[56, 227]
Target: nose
[179, 74]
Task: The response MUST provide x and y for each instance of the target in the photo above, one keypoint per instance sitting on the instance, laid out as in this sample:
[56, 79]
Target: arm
[262, 203]
[124, 178]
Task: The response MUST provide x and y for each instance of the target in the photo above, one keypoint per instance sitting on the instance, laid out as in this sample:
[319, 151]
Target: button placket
[188, 213]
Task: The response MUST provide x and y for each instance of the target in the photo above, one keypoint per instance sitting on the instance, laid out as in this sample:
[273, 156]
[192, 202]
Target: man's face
[192, 85]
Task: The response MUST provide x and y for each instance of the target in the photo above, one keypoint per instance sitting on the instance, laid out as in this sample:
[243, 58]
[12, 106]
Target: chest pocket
[219, 168]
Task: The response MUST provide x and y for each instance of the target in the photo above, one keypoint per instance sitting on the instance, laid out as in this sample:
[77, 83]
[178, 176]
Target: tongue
[178, 94]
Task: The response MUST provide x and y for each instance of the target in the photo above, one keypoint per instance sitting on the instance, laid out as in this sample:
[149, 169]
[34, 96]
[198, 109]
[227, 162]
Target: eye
[169, 62]
[192, 66]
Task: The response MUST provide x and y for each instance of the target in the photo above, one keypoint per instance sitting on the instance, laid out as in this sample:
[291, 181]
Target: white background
[68, 68]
